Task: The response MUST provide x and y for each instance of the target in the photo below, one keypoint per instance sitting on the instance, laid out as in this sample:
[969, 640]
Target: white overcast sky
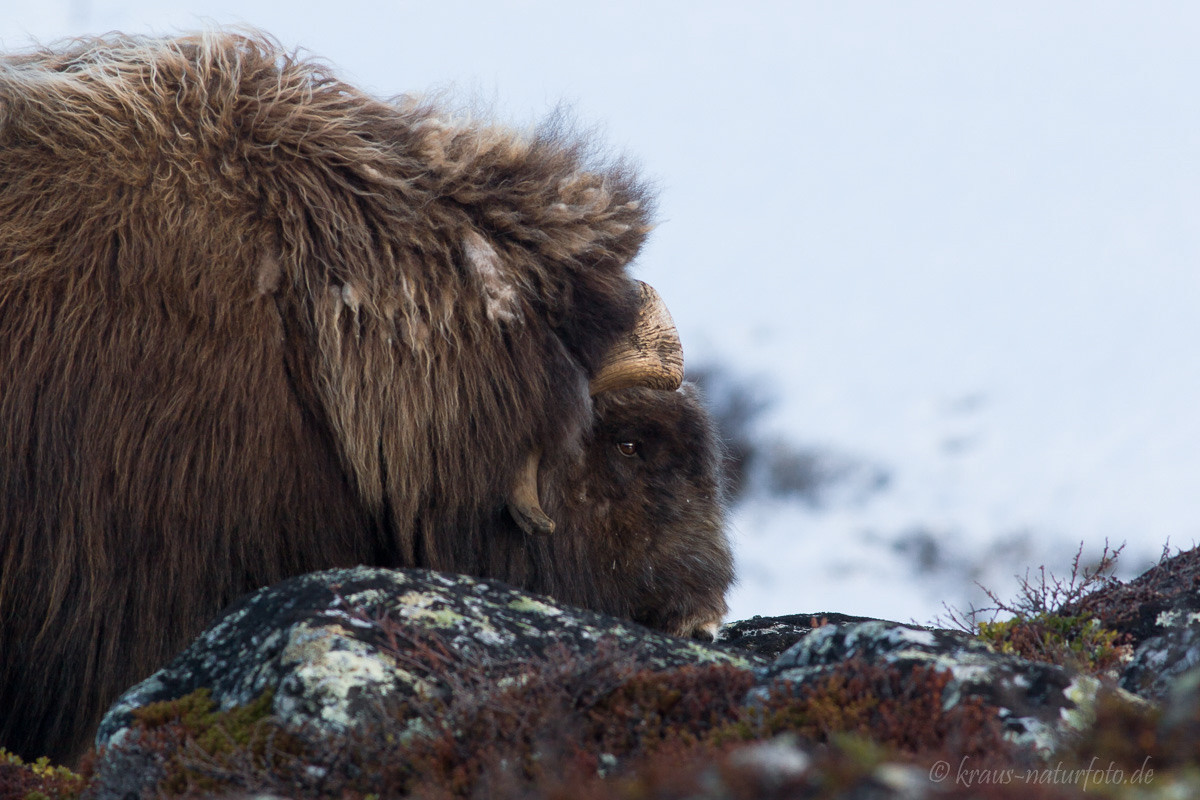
[883, 209]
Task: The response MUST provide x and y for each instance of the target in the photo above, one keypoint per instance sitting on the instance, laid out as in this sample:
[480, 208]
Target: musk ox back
[254, 322]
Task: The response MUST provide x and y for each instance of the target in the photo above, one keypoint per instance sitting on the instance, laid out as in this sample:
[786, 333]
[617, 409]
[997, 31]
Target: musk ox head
[646, 501]
[638, 517]
[255, 322]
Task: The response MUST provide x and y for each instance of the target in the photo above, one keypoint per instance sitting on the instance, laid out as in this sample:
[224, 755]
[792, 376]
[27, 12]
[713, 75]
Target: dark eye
[627, 449]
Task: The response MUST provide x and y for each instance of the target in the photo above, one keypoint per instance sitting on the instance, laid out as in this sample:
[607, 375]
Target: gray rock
[770, 636]
[1038, 703]
[1181, 705]
[1161, 660]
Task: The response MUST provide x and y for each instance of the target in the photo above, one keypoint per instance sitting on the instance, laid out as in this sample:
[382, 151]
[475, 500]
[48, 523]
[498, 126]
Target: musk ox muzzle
[255, 323]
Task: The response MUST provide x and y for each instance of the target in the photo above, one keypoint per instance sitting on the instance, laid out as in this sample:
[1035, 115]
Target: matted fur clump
[255, 322]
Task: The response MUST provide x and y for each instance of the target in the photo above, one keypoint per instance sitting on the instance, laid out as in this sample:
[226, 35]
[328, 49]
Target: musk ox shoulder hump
[230, 107]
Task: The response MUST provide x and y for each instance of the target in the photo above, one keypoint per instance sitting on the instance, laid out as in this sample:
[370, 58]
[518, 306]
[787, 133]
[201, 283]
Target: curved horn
[523, 503]
[649, 355]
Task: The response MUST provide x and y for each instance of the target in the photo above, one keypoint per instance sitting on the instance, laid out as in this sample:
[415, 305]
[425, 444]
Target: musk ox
[255, 322]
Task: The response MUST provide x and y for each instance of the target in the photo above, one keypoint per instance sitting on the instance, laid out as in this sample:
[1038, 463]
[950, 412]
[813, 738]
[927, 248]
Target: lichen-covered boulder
[341, 650]
[405, 683]
[338, 647]
[1037, 703]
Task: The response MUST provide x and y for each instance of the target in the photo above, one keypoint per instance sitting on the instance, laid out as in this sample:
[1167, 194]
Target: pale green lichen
[332, 666]
[528, 605]
[418, 606]
[439, 618]
[368, 598]
[707, 655]
[1177, 618]
[1082, 693]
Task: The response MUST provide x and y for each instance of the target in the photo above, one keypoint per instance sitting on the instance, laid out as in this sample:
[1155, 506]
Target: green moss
[206, 749]
[1079, 642]
[214, 731]
[38, 780]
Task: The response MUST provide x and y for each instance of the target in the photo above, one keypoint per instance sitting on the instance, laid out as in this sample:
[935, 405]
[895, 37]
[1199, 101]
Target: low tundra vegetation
[598, 727]
[1045, 623]
[39, 780]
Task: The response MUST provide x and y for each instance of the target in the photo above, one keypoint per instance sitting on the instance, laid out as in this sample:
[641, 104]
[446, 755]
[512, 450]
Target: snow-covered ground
[957, 242]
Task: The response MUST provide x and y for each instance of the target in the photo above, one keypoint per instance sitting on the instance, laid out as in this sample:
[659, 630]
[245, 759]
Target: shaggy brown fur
[254, 323]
